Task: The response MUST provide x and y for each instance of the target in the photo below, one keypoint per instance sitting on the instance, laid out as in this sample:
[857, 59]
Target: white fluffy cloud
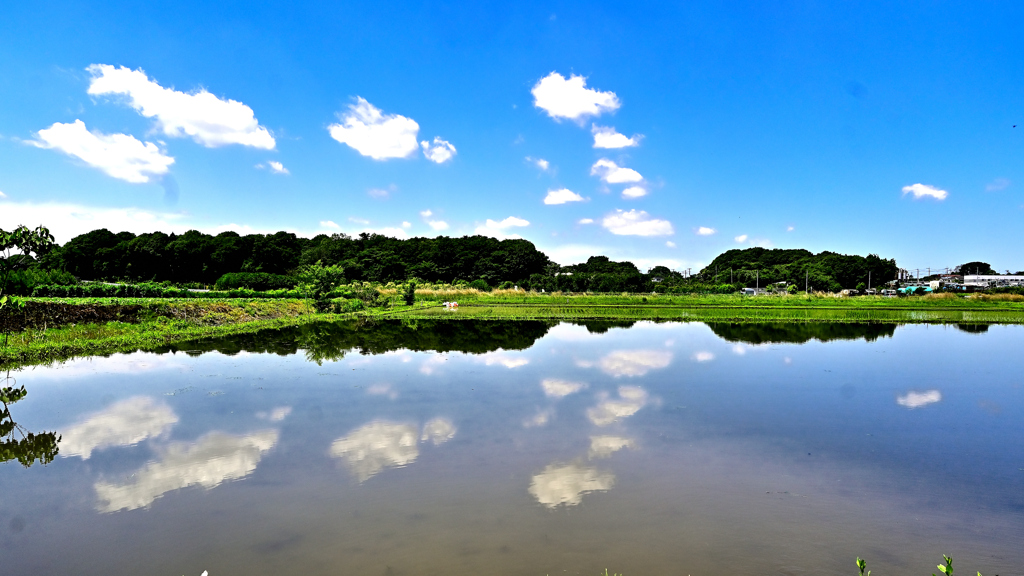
[918, 399]
[540, 163]
[634, 192]
[571, 98]
[923, 190]
[277, 167]
[499, 229]
[329, 224]
[636, 223]
[375, 134]
[119, 155]
[125, 423]
[670, 244]
[705, 231]
[200, 115]
[2, 195]
[741, 238]
[436, 225]
[607, 137]
[562, 196]
[585, 221]
[439, 151]
[612, 173]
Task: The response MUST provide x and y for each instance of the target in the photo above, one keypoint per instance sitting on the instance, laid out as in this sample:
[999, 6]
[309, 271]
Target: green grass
[164, 322]
[576, 310]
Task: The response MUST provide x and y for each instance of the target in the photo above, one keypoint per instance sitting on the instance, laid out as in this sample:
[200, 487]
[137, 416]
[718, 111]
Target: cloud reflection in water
[631, 399]
[211, 460]
[632, 363]
[438, 431]
[371, 448]
[566, 484]
[605, 446]
[918, 399]
[555, 388]
[125, 423]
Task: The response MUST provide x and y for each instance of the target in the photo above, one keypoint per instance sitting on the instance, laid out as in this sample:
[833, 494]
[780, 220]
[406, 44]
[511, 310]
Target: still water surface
[529, 448]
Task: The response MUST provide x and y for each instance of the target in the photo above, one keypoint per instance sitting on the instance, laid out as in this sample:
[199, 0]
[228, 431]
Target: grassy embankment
[65, 328]
[512, 305]
[140, 323]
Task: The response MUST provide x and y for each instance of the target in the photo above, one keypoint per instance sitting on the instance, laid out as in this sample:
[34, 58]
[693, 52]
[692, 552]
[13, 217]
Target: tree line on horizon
[196, 258]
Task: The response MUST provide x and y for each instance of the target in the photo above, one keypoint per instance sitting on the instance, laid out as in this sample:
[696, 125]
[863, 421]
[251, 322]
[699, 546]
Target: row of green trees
[274, 261]
[202, 258]
[825, 271]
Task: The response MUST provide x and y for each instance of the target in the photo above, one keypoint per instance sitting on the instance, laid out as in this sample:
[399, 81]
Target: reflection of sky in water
[207, 462]
[652, 449]
[124, 423]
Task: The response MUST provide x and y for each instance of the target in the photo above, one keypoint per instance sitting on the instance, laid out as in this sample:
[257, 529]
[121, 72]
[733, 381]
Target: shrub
[410, 294]
[254, 281]
[480, 284]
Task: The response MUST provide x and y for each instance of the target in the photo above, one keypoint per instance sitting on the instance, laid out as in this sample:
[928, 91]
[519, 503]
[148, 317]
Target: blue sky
[856, 128]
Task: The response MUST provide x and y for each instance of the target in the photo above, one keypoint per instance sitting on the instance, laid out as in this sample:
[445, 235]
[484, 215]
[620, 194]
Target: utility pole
[869, 279]
[807, 276]
[757, 281]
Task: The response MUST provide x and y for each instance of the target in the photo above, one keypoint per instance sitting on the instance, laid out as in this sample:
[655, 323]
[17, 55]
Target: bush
[480, 284]
[23, 282]
[148, 290]
[254, 281]
[506, 285]
[409, 294]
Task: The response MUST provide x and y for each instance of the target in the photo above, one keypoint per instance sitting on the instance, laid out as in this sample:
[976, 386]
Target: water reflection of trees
[793, 332]
[15, 442]
[332, 340]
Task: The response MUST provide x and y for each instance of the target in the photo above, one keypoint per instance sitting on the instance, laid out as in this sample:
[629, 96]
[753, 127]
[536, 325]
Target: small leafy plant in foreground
[946, 568]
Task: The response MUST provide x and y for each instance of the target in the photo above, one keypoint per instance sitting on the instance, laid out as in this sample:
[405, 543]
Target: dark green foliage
[255, 281]
[197, 257]
[783, 332]
[30, 447]
[151, 290]
[333, 340]
[976, 267]
[318, 282]
[825, 271]
[409, 295]
[19, 249]
[480, 284]
[23, 282]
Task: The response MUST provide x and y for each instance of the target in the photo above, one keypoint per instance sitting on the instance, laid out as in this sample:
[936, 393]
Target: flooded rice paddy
[528, 448]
